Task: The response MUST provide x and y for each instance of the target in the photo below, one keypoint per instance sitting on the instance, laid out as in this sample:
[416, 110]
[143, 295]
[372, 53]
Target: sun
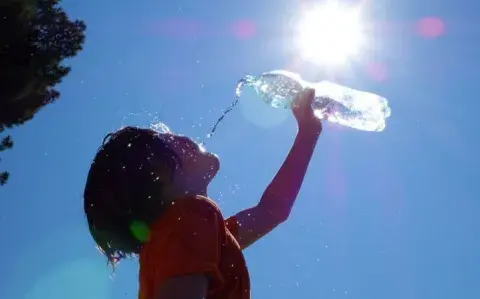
[330, 34]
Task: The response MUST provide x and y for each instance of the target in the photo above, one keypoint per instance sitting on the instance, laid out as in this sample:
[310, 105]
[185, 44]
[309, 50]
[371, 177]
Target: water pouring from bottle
[333, 102]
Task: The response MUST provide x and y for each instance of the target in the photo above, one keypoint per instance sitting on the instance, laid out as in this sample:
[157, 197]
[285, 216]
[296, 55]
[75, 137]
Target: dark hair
[123, 191]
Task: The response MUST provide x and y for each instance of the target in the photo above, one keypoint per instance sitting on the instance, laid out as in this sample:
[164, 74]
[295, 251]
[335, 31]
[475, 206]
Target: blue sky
[380, 215]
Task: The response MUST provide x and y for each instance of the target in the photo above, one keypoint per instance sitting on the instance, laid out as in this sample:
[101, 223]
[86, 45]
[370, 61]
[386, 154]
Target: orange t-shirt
[192, 237]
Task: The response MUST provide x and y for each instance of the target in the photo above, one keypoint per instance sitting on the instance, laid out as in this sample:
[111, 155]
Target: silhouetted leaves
[35, 37]
[7, 143]
[4, 178]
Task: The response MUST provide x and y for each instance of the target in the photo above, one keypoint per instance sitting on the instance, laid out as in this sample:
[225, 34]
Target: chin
[206, 167]
[215, 163]
[212, 169]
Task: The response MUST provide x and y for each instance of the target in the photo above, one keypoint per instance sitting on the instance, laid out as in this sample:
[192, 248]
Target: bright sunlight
[330, 33]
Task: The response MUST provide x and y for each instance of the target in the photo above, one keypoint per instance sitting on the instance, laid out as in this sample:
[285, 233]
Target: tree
[7, 143]
[36, 36]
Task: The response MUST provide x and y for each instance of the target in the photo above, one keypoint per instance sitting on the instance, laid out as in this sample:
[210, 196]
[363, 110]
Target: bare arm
[278, 198]
[184, 287]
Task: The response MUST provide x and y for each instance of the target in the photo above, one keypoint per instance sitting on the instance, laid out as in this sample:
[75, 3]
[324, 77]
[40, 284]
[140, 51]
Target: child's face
[197, 166]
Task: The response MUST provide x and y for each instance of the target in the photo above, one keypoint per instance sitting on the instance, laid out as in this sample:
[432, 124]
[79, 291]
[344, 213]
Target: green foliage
[7, 143]
[35, 37]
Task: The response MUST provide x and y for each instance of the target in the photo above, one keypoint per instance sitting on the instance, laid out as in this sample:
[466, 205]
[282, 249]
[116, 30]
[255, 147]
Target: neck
[182, 192]
[195, 192]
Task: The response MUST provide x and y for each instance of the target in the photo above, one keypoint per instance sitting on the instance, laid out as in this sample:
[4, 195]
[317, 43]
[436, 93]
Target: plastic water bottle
[333, 102]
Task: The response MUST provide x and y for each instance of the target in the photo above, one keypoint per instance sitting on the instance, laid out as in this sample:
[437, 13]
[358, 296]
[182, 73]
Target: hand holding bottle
[304, 114]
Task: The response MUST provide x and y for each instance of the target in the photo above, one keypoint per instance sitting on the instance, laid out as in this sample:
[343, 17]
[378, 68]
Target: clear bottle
[333, 102]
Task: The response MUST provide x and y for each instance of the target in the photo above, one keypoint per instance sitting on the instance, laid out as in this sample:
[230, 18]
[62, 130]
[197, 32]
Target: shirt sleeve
[192, 245]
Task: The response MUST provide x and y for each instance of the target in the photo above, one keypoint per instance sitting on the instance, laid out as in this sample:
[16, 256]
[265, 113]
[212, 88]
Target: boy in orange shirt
[146, 195]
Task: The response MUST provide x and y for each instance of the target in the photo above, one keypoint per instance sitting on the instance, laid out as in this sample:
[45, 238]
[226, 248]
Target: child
[146, 195]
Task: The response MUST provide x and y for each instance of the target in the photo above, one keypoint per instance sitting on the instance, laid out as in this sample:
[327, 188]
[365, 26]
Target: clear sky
[381, 215]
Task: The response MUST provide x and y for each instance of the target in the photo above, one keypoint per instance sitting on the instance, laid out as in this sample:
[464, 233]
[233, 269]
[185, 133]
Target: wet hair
[123, 192]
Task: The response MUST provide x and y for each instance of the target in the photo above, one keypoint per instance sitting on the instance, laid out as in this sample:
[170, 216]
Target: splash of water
[160, 127]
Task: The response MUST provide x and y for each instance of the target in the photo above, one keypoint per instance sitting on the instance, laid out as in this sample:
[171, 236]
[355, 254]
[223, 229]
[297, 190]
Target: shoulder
[195, 205]
[204, 203]
[189, 211]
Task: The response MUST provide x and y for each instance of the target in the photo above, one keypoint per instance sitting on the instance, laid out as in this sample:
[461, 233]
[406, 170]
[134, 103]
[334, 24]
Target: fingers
[305, 98]
[309, 94]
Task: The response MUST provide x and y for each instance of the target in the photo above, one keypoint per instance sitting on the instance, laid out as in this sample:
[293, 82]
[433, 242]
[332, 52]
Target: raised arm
[278, 198]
